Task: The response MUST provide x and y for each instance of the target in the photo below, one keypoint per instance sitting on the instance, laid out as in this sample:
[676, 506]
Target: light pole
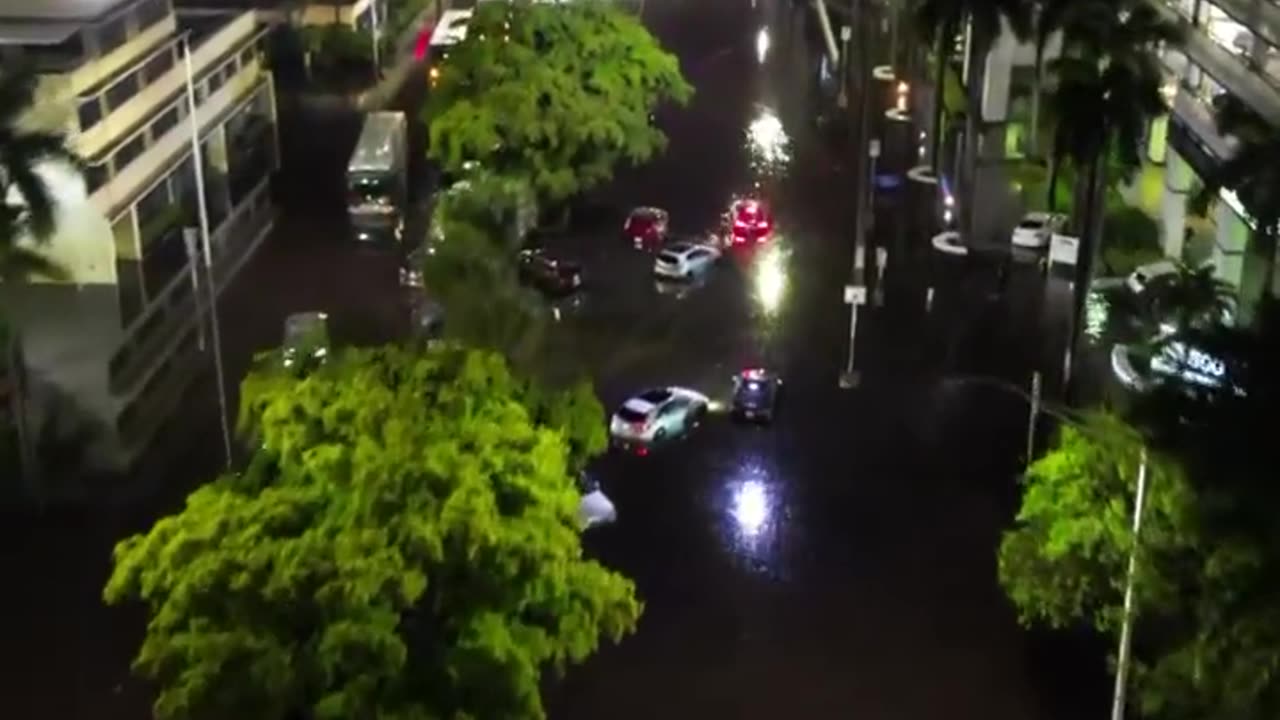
[377, 51]
[1126, 627]
[211, 295]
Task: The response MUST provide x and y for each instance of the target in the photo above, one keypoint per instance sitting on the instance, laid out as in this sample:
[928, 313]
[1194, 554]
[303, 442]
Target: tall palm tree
[21, 151]
[1253, 173]
[1192, 299]
[1108, 91]
[938, 20]
[1049, 15]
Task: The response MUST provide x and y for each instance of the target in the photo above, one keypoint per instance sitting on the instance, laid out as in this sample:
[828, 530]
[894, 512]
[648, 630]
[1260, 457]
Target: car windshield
[1031, 224]
[680, 247]
[669, 258]
[633, 416]
[655, 396]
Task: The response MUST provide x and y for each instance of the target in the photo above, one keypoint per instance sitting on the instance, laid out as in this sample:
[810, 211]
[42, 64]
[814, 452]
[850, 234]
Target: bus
[377, 179]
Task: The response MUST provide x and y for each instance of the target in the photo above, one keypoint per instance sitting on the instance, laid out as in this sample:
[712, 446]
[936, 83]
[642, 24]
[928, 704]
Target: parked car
[306, 341]
[755, 394]
[1036, 229]
[411, 267]
[426, 319]
[646, 227]
[657, 415]
[1153, 273]
[685, 260]
[594, 507]
[549, 275]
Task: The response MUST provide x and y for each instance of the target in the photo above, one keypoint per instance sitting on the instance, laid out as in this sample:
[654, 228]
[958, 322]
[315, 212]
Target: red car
[750, 221]
[646, 227]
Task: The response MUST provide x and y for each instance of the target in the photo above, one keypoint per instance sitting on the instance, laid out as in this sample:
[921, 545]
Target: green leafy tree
[405, 545]
[504, 208]
[1065, 560]
[22, 150]
[1193, 298]
[556, 93]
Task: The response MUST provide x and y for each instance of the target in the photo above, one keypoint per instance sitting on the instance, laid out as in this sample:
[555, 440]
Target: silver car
[685, 261]
[656, 415]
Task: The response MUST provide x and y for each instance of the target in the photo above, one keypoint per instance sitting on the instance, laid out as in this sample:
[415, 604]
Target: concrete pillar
[1230, 245]
[999, 69]
[1178, 177]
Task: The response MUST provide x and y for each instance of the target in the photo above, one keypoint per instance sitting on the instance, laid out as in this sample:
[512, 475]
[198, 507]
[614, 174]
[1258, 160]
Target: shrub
[1129, 238]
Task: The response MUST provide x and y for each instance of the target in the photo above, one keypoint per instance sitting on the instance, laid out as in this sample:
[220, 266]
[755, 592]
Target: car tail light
[641, 450]
[739, 224]
[763, 224]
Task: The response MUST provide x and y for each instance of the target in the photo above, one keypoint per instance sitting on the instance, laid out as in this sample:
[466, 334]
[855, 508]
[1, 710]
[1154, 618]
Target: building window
[90, 112]
[164, 123]
[215, 80]
[158, 65]
[160, 223]
[128, 269]
[130, 151]
[247, 56]
[112, 35]
[95, 176]
[152, 12]
[121, 92]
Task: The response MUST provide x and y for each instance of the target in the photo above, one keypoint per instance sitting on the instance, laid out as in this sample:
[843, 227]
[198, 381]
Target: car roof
[305, 322]
[655, 395]
[647, 211]
[1159, 267]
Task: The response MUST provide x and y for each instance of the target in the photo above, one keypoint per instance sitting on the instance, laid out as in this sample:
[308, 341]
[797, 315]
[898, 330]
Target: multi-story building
[1230, 47]
[110, 347]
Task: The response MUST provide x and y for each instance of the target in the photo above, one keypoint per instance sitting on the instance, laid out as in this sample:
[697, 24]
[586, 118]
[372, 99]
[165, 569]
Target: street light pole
[197, 160]
[1126, 628]
[377, 51]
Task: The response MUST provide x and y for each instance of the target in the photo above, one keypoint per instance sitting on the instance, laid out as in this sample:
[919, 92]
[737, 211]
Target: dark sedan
[551, 276]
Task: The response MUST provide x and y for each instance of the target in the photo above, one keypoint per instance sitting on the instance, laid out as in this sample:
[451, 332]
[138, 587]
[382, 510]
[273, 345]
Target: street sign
[874, 150]
[846, 33]
[1063, 249]
[855, 294]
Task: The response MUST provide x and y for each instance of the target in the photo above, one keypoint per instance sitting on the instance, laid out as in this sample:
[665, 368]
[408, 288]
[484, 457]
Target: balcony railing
[167, 134]
[157, 333]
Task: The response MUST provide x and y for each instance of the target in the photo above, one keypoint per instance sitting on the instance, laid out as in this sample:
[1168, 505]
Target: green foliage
[1129, 238]
[22, 150]
[501, 207]
[555, 93]
[405, 545]
[1065, 560]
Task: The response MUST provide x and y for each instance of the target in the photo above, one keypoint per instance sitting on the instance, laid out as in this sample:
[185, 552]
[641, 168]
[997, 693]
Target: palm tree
[938, 21]
[1048, 20]
[1253, 173]
[1108, 90]
[1193, 299]
[21, 151]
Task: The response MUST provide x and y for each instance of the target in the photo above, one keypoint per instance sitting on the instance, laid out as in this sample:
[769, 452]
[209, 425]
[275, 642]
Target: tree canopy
[1207, 604]
[405, 545]
[556, 93]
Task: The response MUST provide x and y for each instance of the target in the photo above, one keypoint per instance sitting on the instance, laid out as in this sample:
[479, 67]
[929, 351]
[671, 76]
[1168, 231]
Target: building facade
[109, 349]
[1231, 47]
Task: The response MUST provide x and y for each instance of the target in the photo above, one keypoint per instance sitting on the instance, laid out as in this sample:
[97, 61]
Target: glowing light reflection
[751, 507]
[762, 45]
[771, 279]
[768, 145]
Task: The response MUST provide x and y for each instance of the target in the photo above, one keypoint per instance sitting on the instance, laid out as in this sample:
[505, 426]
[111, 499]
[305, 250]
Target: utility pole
[376, 30]
[1126, 628]
[197, 160]
[1034, 416]
[855, 294]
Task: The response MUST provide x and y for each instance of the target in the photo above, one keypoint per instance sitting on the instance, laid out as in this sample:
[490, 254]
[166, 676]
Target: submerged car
[594, 507]
[646, 227]
[755, 394]
[551, 276]
[656, 415]
[750, 221]
[306, 341]
[685, 261]
[1036, 229]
